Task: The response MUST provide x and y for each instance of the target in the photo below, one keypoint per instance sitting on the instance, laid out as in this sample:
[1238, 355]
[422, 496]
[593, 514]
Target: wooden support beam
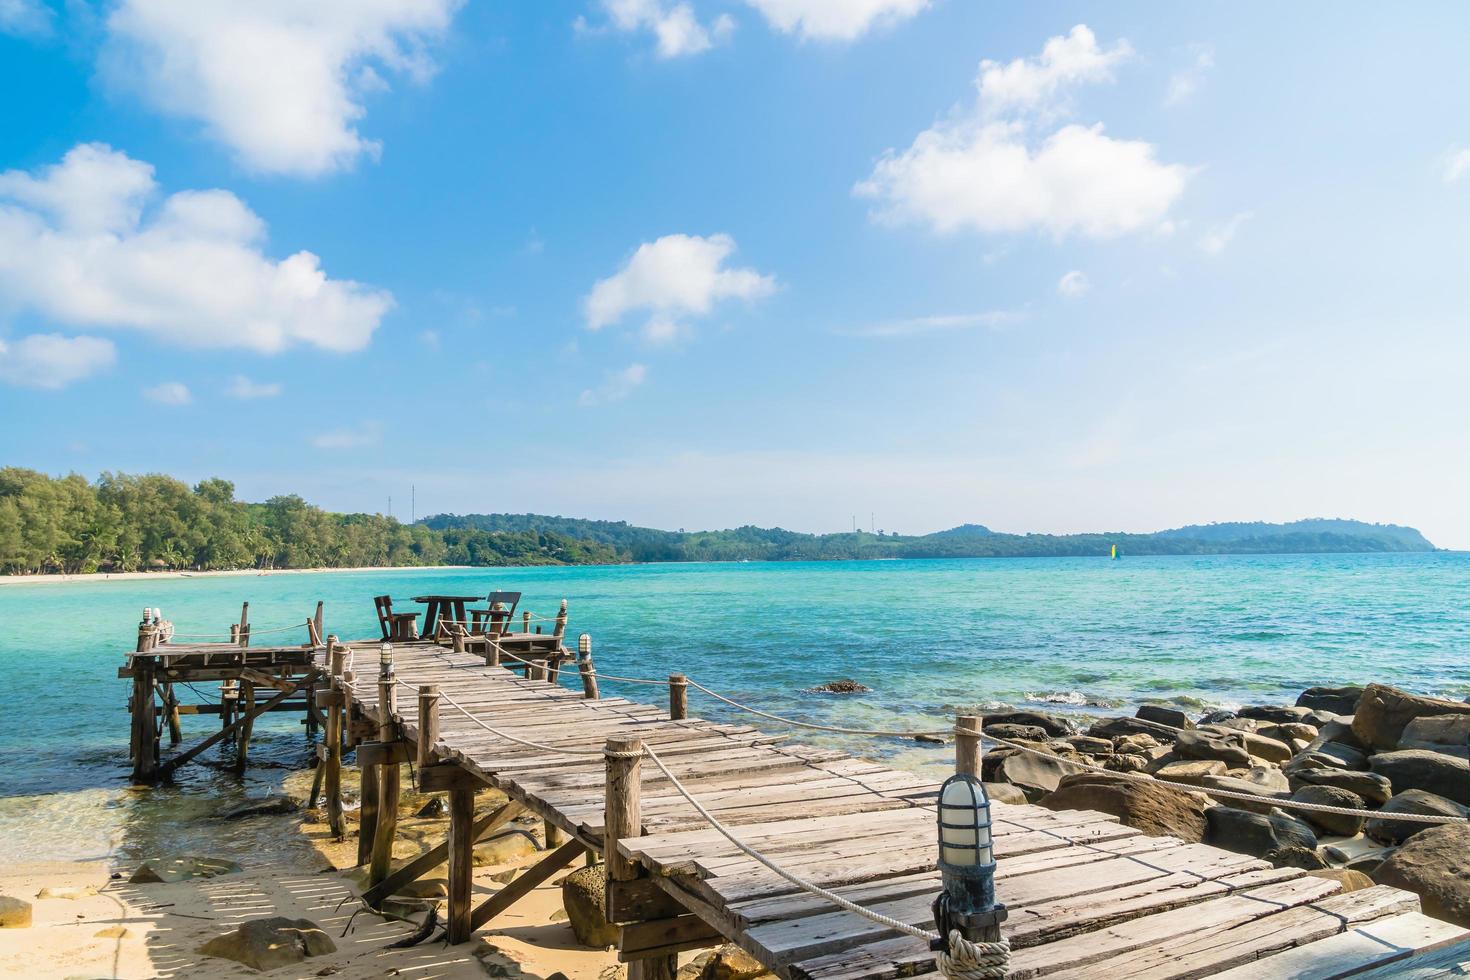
[586, 668]
[144, 742]
[388, 782]
[446, 777]
[393, 753]
[967, 747]
[461, 862]
[435, 856]
[171, 709]
[521, 885]
[247, 724]
[428, 724]
[678, 697]
[168, 767]
[367, 820]
[663, 938]
[623, 817]
[335, 702]
[640, 899]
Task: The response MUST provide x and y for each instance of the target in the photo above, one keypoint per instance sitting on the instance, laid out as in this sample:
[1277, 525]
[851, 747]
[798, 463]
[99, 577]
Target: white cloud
[49, 360]
[990, 169]
[1457, 165]
[941, 323]
[245, 389]
[673, 277]
[352, 437]
[1041, 83]
[77, 247]
[834, 20]
[25, 18]
[1185, 82]
[169, 393]
[278, 81]
[1074, 283]
[616, 386]
[676, 28]
[1214, 240]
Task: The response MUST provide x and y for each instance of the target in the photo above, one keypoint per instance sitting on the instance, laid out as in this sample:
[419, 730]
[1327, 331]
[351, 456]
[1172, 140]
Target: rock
[1410, 801]
[1338, 700]
[70, 892]
[1215, 717]
[1339, 731]
[1332, 823]
[1134, 744]
[266, 806]
[1346, 850]
[1441, 774]
[1257, 834]
[1207, 745]
[1328, 755]
[1191, 771]
[729, 962]
[931, 739]
[433, 808]
[1172, 717]
[1155, 810]
[171, 869]
[1053, 726]
[1090, 745]
[425, 888]
[1383, 712]
[1288, 732]
[1296, 857]
[1033, 775]
[583, 895]
[1439, 733]
[505, 848]
[1114, 727]
[15, 913]
[269, 943]
[111, 932]
[1373, 788]
[1126, 763]
[1270, 749]
[1351, 881]
[1435, 865]
[1274, 713]
[845, 686]
[1017, 733]
[1258, 782]
[1005, 793]
[1234, 724]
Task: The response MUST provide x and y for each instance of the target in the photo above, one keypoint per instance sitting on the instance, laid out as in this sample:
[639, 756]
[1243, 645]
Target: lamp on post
[966, 864]
[385, 660]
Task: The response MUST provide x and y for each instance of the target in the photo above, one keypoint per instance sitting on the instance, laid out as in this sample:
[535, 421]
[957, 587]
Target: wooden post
[367, 824]
[678, 697]
[554, 835]
[967, 746]
[171, 707]
[492, 652]
[623, 817]
[336, 657]
[525, 621]
[245, 705]
[536, 671]
[461, 859]
[388, 785]
[561, 621]
[229, 694]
[317, 621]
[145, 736]
[428, 723]
[586, 668]
[456, 637]
[244, 634]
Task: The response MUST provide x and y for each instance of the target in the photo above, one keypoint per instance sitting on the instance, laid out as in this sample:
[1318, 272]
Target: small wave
[988, 706]
[1076, 698]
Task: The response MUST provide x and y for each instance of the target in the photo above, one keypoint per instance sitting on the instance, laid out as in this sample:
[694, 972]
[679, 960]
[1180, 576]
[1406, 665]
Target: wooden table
[443, 605]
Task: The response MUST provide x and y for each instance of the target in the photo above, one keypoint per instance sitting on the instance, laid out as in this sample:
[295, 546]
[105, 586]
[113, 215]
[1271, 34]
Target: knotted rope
[969, 960]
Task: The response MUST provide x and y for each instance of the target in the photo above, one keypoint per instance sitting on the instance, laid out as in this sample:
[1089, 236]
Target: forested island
[123, 523]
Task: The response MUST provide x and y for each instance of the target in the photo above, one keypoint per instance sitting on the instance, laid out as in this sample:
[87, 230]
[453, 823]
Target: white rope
[970, 960]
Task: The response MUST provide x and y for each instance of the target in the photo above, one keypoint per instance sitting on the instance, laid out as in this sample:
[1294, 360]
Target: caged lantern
[966, 863]
[385, 660]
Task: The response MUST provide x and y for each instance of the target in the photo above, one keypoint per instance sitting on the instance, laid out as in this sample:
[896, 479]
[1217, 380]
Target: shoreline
[52, 578]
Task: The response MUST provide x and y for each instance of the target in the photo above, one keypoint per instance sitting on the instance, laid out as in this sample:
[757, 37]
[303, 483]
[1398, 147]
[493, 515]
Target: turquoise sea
[1085, 636]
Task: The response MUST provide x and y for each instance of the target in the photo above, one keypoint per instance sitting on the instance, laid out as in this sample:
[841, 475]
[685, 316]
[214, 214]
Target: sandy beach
[93, 578]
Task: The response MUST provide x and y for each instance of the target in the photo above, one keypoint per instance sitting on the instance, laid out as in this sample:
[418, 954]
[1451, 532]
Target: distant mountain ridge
[633, 543]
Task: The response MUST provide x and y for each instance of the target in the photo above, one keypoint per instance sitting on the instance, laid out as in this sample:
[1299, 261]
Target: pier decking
[1087, 896]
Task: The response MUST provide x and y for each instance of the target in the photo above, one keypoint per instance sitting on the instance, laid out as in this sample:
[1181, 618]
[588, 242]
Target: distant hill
[633, 543]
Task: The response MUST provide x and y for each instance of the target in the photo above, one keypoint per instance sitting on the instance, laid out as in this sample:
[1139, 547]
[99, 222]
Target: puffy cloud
[77, 247]
[1074, 283]
[991, 170]
[49, 360]
[834, 20]
[169, 393]
[675, 26]
[1213, 241]
[245, 389]
[616, 386]
[673, 277]
[279, 82]
[1456, 165]
[1185, 82]
[25, 18]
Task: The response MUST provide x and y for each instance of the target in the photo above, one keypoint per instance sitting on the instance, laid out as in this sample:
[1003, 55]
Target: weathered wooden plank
[1389, 940]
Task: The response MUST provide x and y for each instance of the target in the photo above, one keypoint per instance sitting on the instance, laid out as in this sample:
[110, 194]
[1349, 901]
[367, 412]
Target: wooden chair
[496, 616]
[395, 626]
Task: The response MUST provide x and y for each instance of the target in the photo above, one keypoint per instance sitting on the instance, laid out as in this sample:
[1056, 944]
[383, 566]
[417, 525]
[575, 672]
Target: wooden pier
[1088, 897]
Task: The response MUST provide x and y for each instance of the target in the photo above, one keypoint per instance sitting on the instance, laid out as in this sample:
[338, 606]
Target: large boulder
[1327, 755]
[1385, 711]
[1153, 809]
[1034, 775]
[265, 944]
[1276, 714]
[1290, 732]
[1372, 787]
[1338, 700]
[15, 913]
[1191, 771]
[1342, 824]
[170, 869]
[1389, 831]
[1016, 733]
[1159, 714]
[1441, 733]
[1258, 781]
[1090, 745]
[1443, 775]
[1210, 745]
[584, 896]
[728, 962]
[509, 846]
[1051, 724]
[1140, 743]
[1115, 727]
[1257, 834]
[1435, 865]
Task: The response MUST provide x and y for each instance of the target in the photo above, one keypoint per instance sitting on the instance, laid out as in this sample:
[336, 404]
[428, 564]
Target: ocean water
[1073, 635]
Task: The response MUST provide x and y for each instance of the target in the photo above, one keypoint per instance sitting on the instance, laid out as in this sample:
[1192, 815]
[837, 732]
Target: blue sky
[695, 264]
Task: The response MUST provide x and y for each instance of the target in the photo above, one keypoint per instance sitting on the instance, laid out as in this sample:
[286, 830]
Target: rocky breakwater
[1237, 779]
